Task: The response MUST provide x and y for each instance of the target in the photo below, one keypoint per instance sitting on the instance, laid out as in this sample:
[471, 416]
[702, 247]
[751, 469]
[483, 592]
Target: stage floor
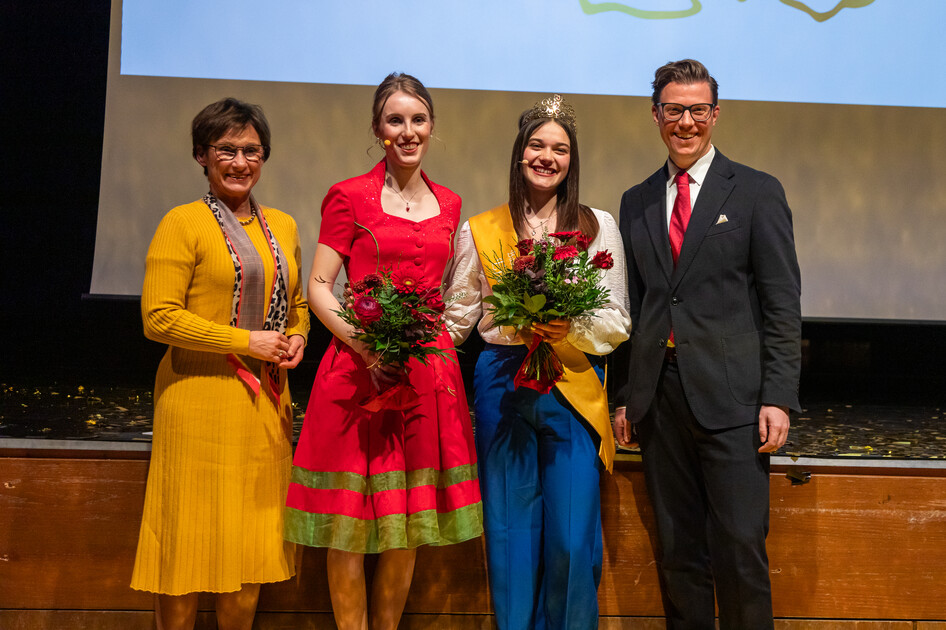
[856, 526]
[825, 429]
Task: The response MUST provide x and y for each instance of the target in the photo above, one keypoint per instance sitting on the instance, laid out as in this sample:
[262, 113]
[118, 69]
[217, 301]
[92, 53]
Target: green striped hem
[396, 531]
[394, 480]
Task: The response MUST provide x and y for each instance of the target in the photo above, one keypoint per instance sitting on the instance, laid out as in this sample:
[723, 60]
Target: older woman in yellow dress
[222, 291]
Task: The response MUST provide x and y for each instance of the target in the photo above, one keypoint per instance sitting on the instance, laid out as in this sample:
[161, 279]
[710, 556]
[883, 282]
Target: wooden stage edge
[136, 620]
[862, 545]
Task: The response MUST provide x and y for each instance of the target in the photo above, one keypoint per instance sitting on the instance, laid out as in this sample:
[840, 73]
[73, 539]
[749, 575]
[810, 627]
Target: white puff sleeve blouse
[597, 333]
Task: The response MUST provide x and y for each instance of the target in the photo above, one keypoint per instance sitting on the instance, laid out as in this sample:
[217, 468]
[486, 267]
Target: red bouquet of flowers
[398, 318]
[544, 279]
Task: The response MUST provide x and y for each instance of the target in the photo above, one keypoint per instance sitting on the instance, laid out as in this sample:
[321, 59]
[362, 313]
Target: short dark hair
[685, 71]
[399, 82]
[228, 114]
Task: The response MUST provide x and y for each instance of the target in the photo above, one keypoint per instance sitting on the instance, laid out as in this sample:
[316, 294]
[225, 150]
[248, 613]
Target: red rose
[564, 236]
[430, 320]
[565, 253]
[583, 242]
[435, 303]
[602, 260]
[367, 309]
[525, 246]
[523, 262]
[360, 287]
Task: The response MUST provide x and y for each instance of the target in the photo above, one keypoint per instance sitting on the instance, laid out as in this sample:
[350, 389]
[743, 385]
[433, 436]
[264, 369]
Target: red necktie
[679, 219]
[680, 216]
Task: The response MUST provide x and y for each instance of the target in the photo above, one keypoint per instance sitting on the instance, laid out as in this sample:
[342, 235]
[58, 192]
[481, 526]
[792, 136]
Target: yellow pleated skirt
[220, 465]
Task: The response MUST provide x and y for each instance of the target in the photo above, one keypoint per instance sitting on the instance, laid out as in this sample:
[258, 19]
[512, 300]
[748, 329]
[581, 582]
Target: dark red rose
[602, 260]
[583, 241]
[435, 303]
[367, 309]
[525, 246]
[373, 280]
[564, 236]
[424, 292]
[565, 253]
[429, 320]
[523, 262]
[360, 287]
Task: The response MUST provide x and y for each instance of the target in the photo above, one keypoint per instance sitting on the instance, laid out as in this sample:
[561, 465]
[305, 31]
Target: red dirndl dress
[366, 482]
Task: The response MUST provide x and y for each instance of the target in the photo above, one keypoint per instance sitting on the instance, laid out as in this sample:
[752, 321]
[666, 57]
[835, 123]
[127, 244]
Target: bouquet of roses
[398, 318]
[550, 278]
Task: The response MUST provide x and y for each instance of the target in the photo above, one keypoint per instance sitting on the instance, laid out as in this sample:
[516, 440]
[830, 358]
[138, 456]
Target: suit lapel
[716, 189]
[654, 197]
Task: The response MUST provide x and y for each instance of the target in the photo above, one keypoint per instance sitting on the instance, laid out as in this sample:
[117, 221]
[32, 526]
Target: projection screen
[841, 100]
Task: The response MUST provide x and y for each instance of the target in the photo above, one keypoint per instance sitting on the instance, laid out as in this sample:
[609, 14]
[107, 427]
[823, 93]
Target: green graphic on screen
[695, 7]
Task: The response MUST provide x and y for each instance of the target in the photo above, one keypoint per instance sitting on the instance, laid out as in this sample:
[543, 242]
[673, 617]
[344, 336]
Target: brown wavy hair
[572, 215]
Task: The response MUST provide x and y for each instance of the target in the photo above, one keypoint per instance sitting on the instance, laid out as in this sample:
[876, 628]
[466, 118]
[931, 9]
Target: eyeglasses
[251, 152]
[700, 112]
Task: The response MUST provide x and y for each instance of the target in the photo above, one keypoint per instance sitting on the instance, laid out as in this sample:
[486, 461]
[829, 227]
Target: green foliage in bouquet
[396, 316]
[550, 278]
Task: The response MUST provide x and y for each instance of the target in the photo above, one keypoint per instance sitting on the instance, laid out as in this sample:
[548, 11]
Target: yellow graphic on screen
[695, 7]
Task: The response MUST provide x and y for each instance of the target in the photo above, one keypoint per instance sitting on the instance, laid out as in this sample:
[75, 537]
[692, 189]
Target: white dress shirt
[697, 174]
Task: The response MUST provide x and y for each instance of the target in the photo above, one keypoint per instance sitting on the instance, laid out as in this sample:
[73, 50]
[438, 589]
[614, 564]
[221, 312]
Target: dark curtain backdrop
[53, 77]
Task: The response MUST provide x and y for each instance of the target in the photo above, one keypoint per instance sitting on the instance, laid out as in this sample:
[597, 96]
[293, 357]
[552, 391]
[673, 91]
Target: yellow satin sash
[579, 384]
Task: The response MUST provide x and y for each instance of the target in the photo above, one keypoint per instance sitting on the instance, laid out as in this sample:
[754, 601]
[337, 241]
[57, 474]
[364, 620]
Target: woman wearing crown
[540, 454]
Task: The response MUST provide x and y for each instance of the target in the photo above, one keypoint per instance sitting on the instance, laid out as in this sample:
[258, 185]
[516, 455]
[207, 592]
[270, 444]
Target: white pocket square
[722, 219]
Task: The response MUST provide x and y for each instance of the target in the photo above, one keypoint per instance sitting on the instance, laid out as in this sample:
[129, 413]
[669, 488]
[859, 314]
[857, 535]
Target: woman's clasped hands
[553, 331]
[275, 347]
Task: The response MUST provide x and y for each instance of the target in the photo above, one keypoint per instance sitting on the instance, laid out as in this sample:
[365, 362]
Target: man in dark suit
[714, 358]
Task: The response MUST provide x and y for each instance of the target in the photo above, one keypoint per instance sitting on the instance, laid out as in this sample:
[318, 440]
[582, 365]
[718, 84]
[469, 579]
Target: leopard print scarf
[248, 308]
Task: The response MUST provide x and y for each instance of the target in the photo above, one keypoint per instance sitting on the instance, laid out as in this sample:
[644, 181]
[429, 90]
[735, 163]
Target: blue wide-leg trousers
[539, 473]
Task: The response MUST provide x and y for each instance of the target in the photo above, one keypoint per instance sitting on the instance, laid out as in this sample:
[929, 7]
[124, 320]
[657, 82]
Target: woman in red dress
[383, 482]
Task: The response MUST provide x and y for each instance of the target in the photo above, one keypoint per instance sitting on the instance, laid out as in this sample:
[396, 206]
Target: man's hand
[623, 430]
[773, 428]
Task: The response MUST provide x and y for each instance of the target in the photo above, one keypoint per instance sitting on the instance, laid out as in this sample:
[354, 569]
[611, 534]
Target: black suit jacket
[733, 299]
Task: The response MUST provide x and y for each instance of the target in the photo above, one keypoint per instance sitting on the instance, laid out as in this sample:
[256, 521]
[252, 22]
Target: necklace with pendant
[533, 228]
[407, 202]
